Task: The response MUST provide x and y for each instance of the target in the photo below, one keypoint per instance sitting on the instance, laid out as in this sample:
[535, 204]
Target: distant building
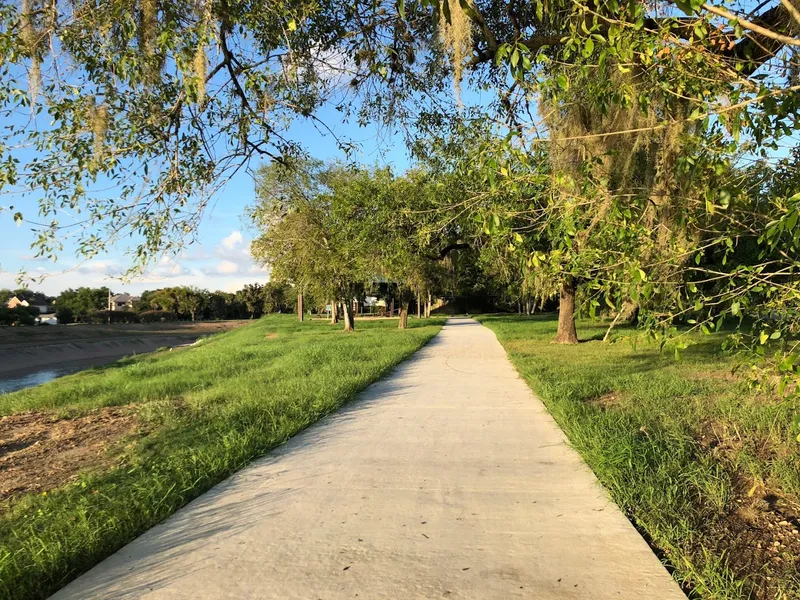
[122, 302]
[15, 302]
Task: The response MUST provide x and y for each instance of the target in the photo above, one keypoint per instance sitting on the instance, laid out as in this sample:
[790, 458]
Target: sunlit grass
[205, 412]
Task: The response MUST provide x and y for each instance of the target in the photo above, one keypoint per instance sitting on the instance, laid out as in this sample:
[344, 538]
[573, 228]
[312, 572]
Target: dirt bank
[27, 350]
[17, 337]
[19, 361]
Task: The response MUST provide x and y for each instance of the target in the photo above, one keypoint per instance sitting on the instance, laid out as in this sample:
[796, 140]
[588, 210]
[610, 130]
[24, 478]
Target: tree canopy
[618, 156]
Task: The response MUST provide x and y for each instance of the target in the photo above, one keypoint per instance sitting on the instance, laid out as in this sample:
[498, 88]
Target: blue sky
[221, 259]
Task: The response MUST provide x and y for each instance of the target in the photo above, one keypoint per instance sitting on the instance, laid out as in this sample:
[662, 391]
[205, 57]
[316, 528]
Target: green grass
[698, 460]
[205, 412]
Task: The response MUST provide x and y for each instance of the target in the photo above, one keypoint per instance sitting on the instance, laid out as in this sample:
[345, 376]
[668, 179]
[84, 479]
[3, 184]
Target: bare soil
[760, 535]
[40, 451]
[606, 401]
[761, 540]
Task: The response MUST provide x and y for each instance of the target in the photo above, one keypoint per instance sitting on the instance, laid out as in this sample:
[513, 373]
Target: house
[122, 302]
[15, 302]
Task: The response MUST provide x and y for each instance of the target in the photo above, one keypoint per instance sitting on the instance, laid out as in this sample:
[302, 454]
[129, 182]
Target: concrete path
[446, 480]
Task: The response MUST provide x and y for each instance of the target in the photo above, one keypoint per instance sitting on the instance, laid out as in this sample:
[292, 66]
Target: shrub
[65, 315]
[111, 316]
[157, 316]
[16, 316]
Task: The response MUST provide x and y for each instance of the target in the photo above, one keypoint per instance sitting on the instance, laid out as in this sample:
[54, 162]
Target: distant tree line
[190, 303]
[90, 305]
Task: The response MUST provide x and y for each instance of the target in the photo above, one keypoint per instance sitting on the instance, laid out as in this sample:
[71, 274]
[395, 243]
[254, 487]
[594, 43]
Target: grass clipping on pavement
[707, 468]
[183, 421]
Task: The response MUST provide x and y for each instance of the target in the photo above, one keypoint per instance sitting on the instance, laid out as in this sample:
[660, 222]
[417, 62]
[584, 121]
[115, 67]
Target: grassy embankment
[707, 468]
[199, 414]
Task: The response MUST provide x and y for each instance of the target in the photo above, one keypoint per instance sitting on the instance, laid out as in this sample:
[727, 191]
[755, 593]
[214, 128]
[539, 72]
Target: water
[19, 380]
[35, 378]
[13, 381]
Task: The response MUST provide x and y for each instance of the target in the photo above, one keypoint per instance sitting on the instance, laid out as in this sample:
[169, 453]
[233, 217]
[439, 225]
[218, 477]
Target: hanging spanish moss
[637, 160]
[99, 129]
[26, 34]
[28, 41]
[148, 21]
[456, 35]
[200, 61]
[199, 66]
[34, 79]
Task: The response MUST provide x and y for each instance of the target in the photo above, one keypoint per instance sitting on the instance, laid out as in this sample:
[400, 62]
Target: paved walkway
[446, 480]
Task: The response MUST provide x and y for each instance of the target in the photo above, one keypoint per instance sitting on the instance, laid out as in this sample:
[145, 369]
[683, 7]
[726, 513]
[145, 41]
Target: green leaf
[791, 220]
[724, 198]
[763, 337]
[292, 25]
[775, 335]
[401, 8]
[735, 308]
[588, 48]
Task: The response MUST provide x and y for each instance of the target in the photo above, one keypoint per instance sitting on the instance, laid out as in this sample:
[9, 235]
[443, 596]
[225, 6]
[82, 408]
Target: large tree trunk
[391, 308]
[566, 314]
[349, 318]
[419, 306]
[300, 311]
[428, 307]
[334, 312]
[403, 324]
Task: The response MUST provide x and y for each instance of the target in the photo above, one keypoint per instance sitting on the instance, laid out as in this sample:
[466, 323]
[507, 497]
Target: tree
[137, 90]
[64, 315]
[164, 299]
[221, 305]
[275, 297]
[252, 296]
[153, 93]
[190, 300]
[82, 301]
[318, 239]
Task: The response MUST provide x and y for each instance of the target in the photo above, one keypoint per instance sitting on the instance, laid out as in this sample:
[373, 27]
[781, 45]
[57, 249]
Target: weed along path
[448, 479]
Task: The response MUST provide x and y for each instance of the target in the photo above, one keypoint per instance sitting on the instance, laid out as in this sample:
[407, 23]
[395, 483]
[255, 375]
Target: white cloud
[226, 265]
[223, 267]
[232, 242]
[166, 268]
[99, 267]
[194, 253]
